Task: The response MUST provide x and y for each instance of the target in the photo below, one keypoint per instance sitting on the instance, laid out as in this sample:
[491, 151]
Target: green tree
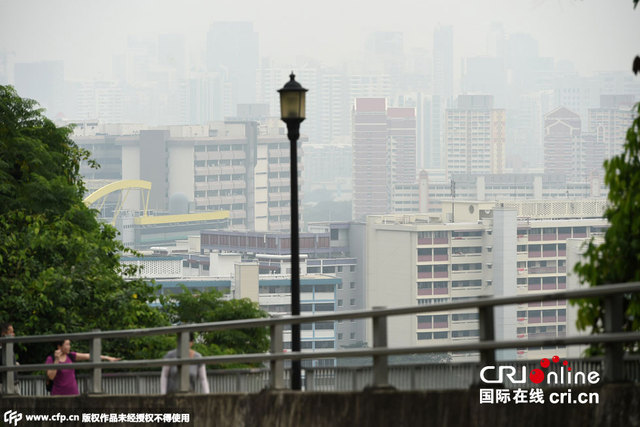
[60, 267]
[209, 306]
[617, 259]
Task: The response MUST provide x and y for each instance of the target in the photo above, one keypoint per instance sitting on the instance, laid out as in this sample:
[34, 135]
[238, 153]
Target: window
[352, 268]
[352, 336]
[335, 233]
[324, 288]
[352, 301]
[324, 344]
[466, 333]
[425, 335]
[339, 303]
[339, 336]
[461, 317]
[352, 285]
[324, 307]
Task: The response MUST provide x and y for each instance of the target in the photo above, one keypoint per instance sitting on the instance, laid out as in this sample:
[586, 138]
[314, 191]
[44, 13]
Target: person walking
[170, 379]
[64, 380]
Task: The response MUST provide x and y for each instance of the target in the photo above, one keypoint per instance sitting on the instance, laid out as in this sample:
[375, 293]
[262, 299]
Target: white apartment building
[489, 248]
[241, 167]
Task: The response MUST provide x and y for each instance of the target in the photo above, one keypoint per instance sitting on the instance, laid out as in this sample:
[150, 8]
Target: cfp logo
[12, 417]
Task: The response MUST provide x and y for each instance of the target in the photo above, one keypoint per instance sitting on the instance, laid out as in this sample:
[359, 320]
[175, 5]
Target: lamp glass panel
[292, 105]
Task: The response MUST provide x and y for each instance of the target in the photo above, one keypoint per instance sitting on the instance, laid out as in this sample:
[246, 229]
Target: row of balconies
[219, 155]
[220, 185]
[220, 170]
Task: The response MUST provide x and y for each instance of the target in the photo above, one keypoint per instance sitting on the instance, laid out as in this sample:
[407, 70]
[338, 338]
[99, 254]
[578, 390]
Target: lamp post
[292, 104]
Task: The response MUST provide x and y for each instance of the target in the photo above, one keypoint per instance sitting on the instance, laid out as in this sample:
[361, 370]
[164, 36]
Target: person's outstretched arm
[87, 356]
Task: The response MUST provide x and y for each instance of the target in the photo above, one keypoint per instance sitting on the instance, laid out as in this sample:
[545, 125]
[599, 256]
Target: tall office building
[232, 49]
[475, 136]
[442, 92]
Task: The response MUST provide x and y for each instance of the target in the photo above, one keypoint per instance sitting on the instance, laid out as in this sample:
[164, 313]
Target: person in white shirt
[170, 376]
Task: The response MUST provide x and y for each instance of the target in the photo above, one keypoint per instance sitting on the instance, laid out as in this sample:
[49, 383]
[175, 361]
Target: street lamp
[292, 103]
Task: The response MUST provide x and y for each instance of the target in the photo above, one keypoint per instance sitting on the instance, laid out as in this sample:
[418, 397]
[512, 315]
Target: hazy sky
[594, 34]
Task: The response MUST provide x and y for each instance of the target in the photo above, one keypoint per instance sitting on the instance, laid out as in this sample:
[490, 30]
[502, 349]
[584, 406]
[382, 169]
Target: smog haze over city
[451, 149]
[594, 35]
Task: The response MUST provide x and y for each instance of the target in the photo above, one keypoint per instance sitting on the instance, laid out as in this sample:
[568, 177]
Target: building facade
[475, 136]
[498, 249]
[241, 167]
[384, 154]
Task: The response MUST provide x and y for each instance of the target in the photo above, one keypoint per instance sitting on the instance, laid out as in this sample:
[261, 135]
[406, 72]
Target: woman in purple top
[64, 380]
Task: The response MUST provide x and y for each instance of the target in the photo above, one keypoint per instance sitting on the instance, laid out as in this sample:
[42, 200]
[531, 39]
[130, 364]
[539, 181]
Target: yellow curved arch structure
[122, 186]
[126, 184]
[137, 184]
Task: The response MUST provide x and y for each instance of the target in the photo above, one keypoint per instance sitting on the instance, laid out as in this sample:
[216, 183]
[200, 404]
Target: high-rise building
[475, 136]
[384, 154]
[401, 130]
[611, 121]
[562, 130]
[442, 94]
[568, 150]
[370, 167]
[233, 49]
[443, 64]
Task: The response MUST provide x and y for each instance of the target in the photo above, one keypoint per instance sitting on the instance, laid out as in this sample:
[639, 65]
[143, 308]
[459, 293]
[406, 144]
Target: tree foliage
[60, 267]
[209, 306]
[617, 260]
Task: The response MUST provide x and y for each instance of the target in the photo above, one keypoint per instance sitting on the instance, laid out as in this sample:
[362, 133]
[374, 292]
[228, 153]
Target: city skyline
[563, 29]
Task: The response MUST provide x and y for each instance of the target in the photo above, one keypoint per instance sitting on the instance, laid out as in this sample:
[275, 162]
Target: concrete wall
[619, 406]
[391, 279]
[504, 276]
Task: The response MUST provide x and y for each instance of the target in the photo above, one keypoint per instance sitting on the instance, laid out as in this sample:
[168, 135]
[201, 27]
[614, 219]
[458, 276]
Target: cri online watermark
[563, 376]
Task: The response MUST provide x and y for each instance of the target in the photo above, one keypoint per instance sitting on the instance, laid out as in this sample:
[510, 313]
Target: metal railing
[612, 338]
[406, 377]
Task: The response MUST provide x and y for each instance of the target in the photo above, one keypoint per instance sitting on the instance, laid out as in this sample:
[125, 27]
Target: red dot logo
[536, 376]
[545, 363]
[555, 359]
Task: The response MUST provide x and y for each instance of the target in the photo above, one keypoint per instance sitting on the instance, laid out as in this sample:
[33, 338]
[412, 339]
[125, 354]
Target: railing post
[276, 377]
[380, 363]
[9, 376]
[309, 379]
[183, 354]
[96, 351]
[487, 333]
[613, 352]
